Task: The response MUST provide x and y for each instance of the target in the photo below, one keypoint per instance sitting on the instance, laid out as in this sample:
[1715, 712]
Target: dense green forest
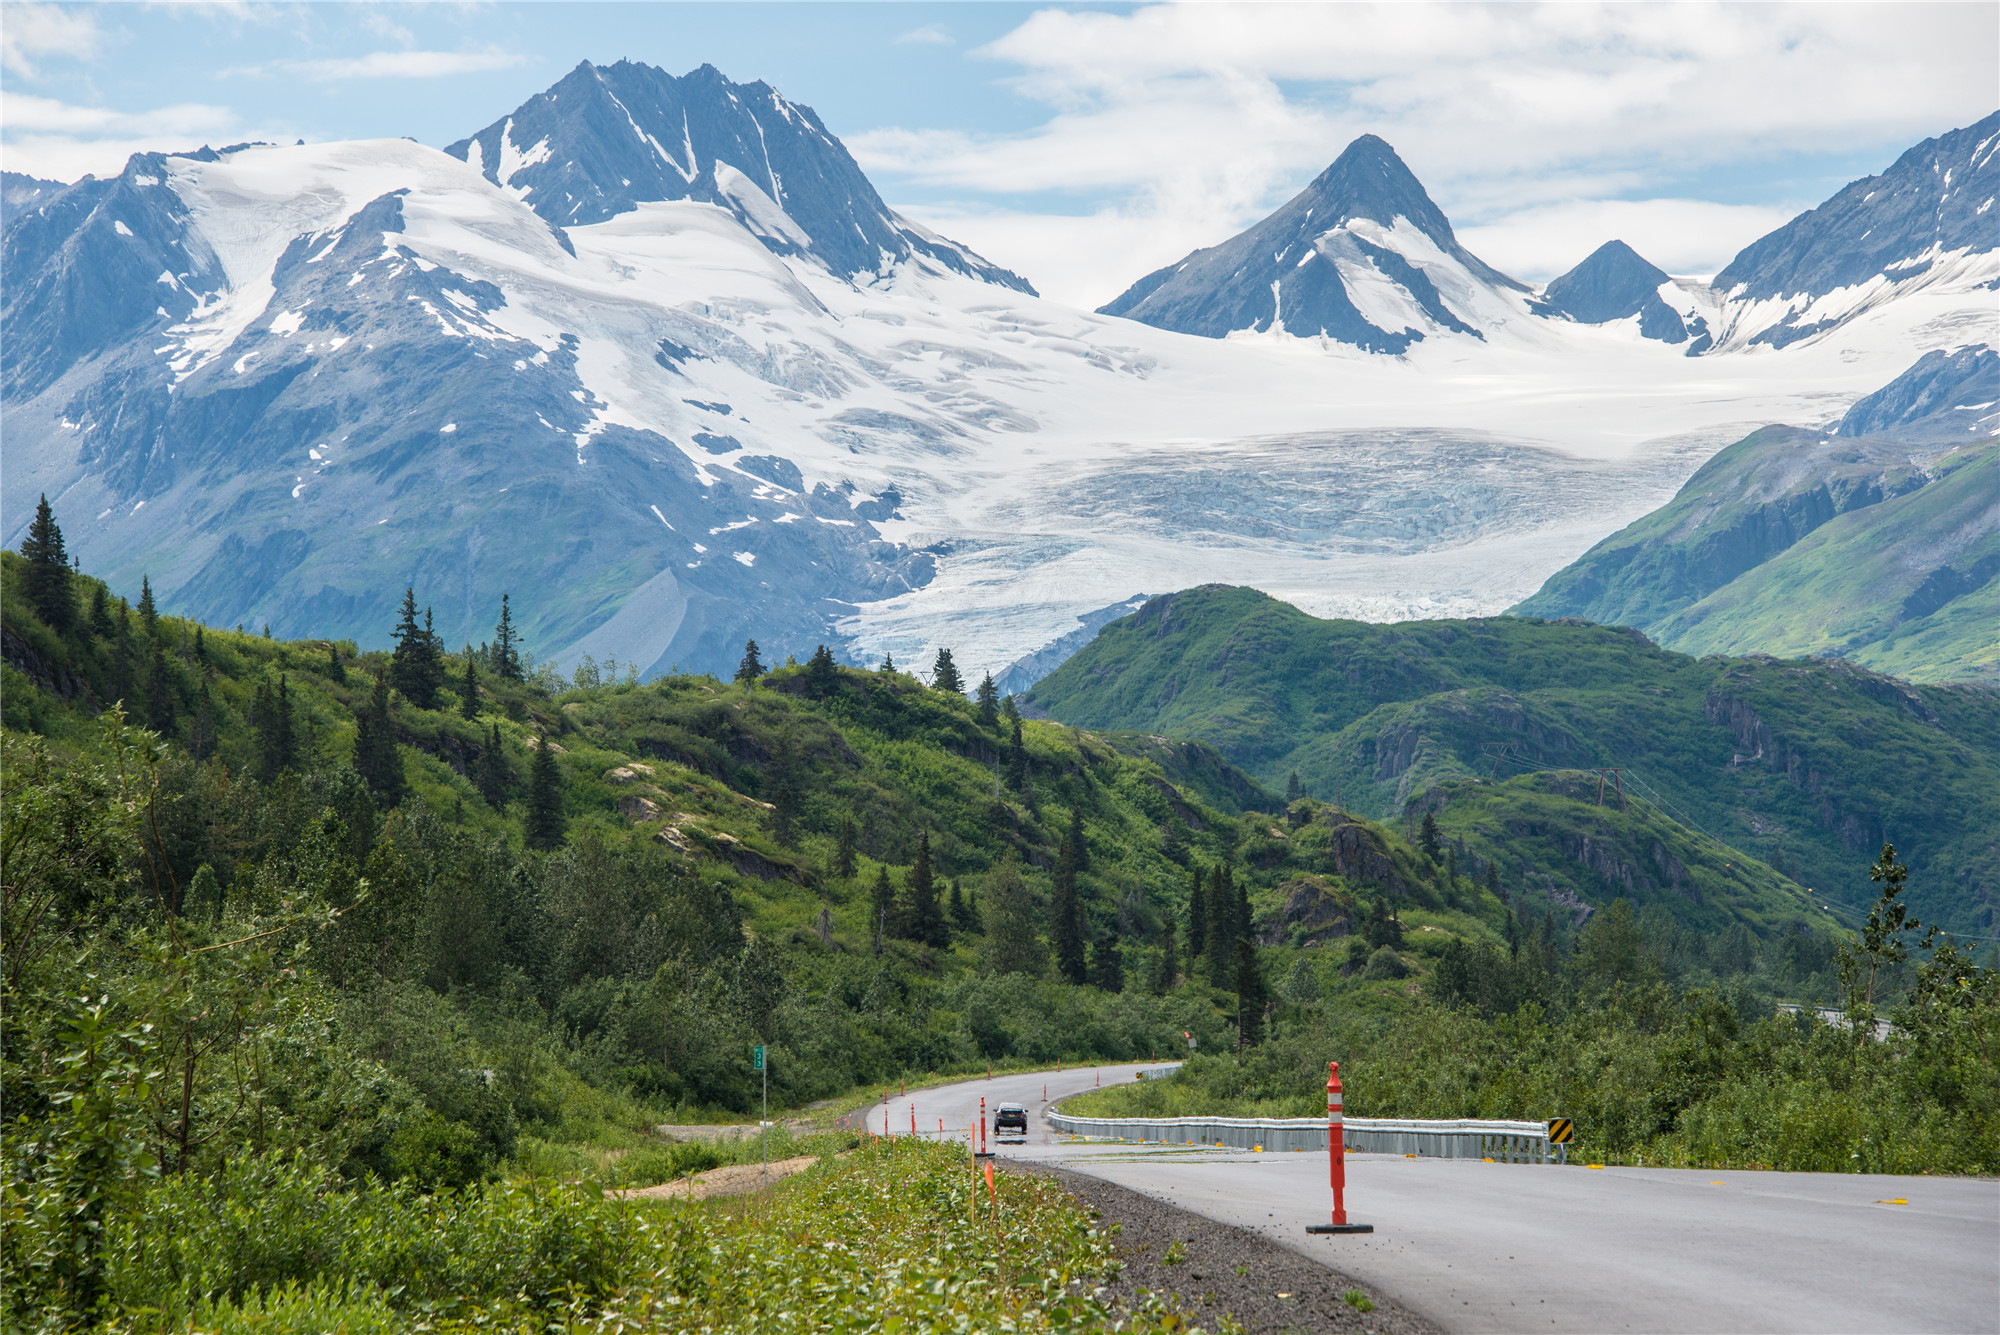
[1502, 724]
[325, 967]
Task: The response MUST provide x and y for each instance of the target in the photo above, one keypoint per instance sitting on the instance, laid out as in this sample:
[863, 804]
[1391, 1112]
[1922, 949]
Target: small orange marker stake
[913, 1119]
[991, 1190]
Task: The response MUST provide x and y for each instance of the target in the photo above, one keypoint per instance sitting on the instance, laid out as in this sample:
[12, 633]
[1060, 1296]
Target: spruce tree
[925, 923]
[149, 615]
[271, 719]
[200, 644]
[843, 850]
[1107, 965]
[944, 674]
[47, 580]
[160, 701]
[1251, 996]
[468, 691]
[1493, 879]
[752, 667]
[964, 913]
[101, 624]
[888, 663]
[1017, 758]
[1066, 931]
[989, 702]
[1197, 915]
[334, 667]
[489, 772]
[415, 668]
[1169, 968]
[1292, 790]
[1080, 849]
[376, 758]
[201, 731]
[545, 802]
[1221, 934]
[506, 651]
[1427, 837]
[822, 680]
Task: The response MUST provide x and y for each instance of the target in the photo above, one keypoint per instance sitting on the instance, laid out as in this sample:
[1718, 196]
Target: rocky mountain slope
[1808, 765]
[1877, 540]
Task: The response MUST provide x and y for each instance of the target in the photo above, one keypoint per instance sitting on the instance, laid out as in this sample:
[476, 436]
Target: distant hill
[1878, 541]
[1807, 765]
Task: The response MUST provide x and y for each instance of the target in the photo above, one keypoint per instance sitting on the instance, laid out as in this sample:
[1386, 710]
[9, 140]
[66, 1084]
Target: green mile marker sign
[757, 1058]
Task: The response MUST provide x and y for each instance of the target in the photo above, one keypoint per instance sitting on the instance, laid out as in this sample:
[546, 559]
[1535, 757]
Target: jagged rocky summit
[1617, 283]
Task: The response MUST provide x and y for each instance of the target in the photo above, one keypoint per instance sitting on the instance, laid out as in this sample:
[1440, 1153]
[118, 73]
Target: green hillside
[1807, 766]
[1790, 542]
[1866, 585]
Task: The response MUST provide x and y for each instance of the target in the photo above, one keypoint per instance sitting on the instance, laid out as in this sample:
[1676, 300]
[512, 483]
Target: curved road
[1521, 1247]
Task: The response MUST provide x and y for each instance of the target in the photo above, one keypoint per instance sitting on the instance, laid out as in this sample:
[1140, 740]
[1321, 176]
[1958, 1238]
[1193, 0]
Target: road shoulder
[1228, 1271]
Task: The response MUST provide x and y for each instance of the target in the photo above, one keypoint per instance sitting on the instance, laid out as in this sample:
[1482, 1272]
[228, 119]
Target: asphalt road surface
[1523, 1247]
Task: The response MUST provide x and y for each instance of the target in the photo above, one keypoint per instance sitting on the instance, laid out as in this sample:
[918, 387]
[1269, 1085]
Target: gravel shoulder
[1228, 1271]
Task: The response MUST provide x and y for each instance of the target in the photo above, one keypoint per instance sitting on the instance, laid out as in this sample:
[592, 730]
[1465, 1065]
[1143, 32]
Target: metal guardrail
[1505, 1142]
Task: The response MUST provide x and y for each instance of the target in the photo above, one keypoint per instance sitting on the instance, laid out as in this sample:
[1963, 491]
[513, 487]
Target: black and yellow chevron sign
[1561, 1131]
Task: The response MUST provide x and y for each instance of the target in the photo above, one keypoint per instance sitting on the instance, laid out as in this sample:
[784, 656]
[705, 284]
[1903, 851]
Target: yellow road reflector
[1718, 1184]
[1898, 1201]
[1486, 1161]
[1593, 1165]
[1409, 1156]
[1256, 1149]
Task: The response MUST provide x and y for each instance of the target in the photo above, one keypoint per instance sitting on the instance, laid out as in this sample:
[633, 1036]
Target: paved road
[1518, 1247]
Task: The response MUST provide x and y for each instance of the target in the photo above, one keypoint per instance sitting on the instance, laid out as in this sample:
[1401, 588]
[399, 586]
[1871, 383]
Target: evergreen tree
[416, 668]
[1493, 879]
[1197, 916]
[888, 663]
[376, 758]
[149, 615]
[944, 674]
[468, 691]
[334, 667]
[822, 680]
[1080, 850]
[1107, 965]
[1066, 930]
[1221, 933]
[1017, 757]
[1010, 944]
[201, 731]
[781, 780]
[506, 662]
[843, 850]
[752, 667]
[271, 720]
[1251, 996]
[1427, 836]
[881, 908]
[1169, 968]
[160, 702]
[47, 578]
[964, 912]
[200, 644]
[989, 702]
[1242, 924]
[1293, 792]
[101, 624]
[545, 820]
[924, 923]
[489, 772]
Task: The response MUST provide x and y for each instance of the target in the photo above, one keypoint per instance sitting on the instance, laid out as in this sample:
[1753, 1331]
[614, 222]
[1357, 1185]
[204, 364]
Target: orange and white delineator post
[1336, 1150]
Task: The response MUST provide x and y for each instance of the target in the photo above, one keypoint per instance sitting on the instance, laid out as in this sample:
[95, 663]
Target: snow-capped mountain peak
[1617, 283]
[607, 138]
[1362, 255]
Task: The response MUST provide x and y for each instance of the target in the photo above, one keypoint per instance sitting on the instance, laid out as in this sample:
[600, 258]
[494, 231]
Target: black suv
[1010, 1117]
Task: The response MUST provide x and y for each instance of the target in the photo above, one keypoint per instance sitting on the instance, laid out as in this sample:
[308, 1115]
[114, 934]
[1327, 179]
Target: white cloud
[404, 65]
[1204, 117]
[931, 34]
[63, 142]
[30, 32]
[1686, 237]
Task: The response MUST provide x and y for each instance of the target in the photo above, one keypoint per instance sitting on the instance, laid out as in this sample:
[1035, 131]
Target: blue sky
[1085, 145]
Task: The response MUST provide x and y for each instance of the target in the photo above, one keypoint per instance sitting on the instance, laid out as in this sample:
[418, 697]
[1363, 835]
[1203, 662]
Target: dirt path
[734, 1180]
